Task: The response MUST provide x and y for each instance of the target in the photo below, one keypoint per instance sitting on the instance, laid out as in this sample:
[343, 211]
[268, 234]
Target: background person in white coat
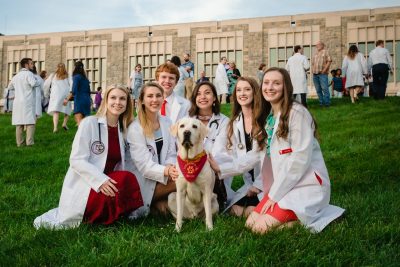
[57, 87]
[354, 67]
[153, 151]
[174, 106]
[297, 67]
[221, 80]
[240, 149]
[295, 178]
[96, 190]
[38, 92]
[206, 108]
[24, 106]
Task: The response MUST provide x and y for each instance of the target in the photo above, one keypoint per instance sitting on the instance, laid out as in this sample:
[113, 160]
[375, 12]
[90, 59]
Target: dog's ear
[174, 129]
[203, 131]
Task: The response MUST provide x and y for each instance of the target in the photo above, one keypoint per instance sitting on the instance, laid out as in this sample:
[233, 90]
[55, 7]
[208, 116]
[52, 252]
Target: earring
[213, 104]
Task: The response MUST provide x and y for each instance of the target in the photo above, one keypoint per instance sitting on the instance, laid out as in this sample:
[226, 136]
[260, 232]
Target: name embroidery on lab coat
[285, 151]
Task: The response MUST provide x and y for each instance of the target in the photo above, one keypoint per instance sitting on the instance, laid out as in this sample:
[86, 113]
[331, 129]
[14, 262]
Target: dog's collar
[191, 168]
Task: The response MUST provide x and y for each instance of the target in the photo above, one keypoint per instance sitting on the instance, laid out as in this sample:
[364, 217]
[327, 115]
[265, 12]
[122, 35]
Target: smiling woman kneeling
[96, 189]
[295, 178]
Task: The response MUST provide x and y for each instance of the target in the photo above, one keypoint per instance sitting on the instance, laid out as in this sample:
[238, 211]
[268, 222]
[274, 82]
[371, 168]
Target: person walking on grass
[379, 65]
[297, 66]
[96, 189]
[354, 67]
[58, 86]
[24, 105]
[295, 179]
[80, 93]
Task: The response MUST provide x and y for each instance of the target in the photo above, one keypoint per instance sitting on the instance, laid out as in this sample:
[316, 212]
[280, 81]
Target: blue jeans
[321, 86]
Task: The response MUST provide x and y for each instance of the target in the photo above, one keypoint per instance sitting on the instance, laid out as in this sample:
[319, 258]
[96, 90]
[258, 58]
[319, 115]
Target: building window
[150, 52]
[93, 55]
[211, 47]
[95, 70]
[16, 53]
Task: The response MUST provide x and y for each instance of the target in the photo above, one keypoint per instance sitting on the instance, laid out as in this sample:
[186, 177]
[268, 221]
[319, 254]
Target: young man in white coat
[297, 66]
[24, 109]
[174, 107]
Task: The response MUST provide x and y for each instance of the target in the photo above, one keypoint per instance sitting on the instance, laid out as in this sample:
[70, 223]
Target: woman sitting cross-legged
[96, 189]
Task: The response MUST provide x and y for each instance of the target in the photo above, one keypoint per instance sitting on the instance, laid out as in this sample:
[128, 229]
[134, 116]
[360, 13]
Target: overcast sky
[40, 16]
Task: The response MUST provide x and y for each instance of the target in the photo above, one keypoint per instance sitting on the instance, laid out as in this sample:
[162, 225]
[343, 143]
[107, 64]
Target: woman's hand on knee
[108, 188]
[268, 205]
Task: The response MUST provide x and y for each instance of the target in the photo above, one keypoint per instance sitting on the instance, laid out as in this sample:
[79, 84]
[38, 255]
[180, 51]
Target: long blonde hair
[146, 124]
[127, 116]
[61, 72]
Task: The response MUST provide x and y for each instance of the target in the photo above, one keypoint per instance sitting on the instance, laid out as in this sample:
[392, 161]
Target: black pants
[303, 98]
[380, 75]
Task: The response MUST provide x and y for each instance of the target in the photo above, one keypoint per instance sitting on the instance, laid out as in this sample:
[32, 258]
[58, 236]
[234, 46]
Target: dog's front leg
[180, 199]
[207, 198]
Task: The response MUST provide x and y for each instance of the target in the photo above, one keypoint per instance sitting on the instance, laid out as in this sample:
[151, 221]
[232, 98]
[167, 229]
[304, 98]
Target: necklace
[204, 118]
[112, 126]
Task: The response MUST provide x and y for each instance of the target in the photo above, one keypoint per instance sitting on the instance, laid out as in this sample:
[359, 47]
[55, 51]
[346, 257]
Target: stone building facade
[110, 55]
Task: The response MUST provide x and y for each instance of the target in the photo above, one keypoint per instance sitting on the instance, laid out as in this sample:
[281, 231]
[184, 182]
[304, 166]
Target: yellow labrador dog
[194, 195]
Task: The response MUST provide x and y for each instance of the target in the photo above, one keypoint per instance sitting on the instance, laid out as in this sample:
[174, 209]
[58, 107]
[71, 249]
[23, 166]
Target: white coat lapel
[164, 150]
[239, 134]
[175, 109]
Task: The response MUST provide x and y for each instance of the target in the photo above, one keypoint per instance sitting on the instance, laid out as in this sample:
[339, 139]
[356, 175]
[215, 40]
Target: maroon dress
[102, 209]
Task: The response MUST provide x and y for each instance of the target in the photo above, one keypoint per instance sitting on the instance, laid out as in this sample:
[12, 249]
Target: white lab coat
[24, 106]
[354, 70]
[9, 95]
[178, 109]
[297, 66]
[58, 90]
[144, 158]
[290, 178]
[237, 161]
[85, 173]
[221, 80]
[180, 85]
[38, 91]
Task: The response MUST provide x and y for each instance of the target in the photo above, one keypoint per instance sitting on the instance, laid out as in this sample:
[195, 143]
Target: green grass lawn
[360, 144]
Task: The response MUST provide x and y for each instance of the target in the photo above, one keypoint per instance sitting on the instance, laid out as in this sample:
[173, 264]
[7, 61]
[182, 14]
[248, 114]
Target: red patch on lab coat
[285, 151]
[318, 178]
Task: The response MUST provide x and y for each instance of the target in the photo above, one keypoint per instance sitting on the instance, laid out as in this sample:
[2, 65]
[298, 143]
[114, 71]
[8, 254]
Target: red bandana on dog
[191, 168]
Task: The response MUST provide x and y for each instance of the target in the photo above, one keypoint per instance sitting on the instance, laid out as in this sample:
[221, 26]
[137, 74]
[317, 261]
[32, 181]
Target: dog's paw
[210, 227]
[178, 227]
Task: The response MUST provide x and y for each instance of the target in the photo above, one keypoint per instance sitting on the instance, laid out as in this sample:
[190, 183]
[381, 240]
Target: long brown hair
[127, 116]
[286, 105]
[259, 117]
[353, 50]
[142, 114]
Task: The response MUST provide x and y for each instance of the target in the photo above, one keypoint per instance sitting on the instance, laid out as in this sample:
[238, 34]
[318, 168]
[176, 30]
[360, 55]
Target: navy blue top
[81, 92]
[337, 84]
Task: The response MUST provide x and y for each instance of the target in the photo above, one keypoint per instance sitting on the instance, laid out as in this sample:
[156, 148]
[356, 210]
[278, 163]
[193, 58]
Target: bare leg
[247, 211]
[352, 95]
[237, 210]
[264, 223]
[64, 125]
[55, 121]
[78, 117]
[160, 207]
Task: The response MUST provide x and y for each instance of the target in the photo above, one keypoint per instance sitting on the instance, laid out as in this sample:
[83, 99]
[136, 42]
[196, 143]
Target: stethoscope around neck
[98, 147]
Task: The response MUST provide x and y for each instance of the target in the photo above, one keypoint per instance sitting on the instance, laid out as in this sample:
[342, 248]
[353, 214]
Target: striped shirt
[319, 61]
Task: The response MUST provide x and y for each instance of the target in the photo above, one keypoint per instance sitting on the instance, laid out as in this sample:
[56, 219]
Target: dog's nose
[186, 133]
